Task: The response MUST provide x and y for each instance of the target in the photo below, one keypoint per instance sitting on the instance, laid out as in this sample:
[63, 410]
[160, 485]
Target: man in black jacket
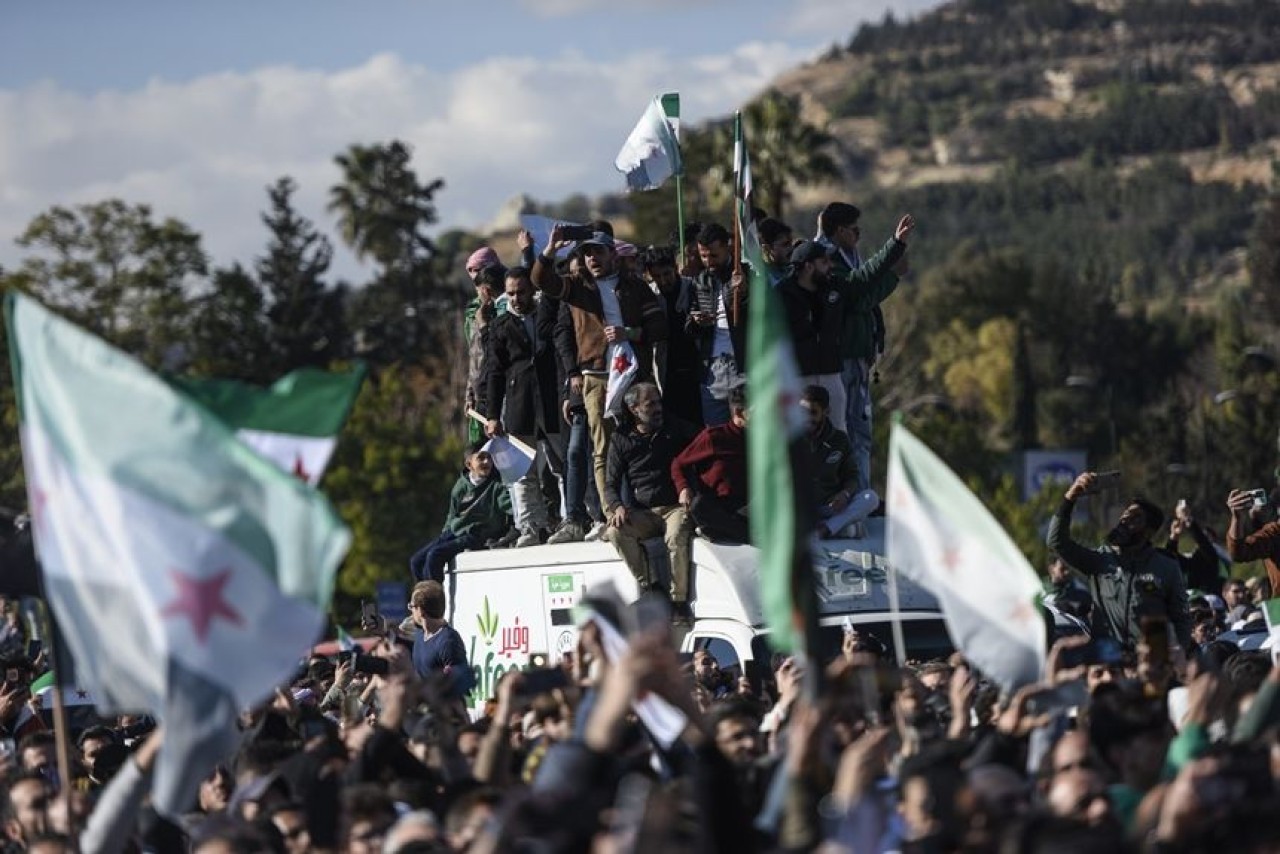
[643, 454]
[522, 399]
[717, 322]
[816, 301]
[677, 364]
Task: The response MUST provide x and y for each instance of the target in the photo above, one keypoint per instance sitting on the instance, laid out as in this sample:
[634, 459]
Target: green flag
[294, 423]
[782, 510]
[186, 573]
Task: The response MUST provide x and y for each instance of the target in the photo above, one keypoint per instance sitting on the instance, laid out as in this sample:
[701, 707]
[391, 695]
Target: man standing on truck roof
[643, 453]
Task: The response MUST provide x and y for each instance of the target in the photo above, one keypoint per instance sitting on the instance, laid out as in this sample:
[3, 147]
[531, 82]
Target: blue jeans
[856, 374]
[428, 562]
[582, 501]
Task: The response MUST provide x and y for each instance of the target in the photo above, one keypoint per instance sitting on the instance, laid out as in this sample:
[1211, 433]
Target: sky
[194, 108]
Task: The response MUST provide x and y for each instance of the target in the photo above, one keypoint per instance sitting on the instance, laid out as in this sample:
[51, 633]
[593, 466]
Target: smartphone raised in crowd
[541, 680]
[1104, 480]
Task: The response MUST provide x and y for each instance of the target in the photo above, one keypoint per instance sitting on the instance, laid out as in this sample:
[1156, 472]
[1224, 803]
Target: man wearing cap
[862, 338]
[607, 307]
[817, 300]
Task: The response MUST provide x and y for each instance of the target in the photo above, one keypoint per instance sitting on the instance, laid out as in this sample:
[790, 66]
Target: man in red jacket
[711, 476]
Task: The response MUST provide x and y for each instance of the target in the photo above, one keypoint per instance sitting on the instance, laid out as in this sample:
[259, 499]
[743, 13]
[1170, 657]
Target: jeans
[719, 519]
[857, 380]
[428, 562]
[580, 496]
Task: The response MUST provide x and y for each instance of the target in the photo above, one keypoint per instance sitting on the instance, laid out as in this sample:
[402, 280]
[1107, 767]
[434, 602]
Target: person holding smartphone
[1129, 579]
[1254, 533]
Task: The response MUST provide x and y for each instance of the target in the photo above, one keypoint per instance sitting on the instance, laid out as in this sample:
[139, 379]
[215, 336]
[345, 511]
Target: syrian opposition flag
[651, 153]
[942, 536]
[623, 367]
[295, 422]
[78, 703]
[742, 194]
[779, 473]
[185, 571]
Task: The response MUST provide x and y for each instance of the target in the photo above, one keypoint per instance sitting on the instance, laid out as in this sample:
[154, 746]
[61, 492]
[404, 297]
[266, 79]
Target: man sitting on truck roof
[835, 469]
[711, 476]
[642, 453]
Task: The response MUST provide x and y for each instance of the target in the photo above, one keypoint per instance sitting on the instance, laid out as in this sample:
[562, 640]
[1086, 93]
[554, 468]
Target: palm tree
[382, 209]
[785, 150]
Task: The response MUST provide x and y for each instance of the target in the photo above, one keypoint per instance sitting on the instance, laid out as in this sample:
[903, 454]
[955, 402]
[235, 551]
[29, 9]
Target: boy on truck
[479, 510]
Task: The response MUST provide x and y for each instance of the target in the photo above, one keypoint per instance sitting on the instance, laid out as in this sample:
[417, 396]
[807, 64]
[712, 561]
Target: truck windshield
[925, 640]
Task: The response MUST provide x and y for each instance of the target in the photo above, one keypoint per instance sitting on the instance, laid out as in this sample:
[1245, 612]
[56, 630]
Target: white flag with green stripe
[941, 535]
[186, 572]
[295, 422]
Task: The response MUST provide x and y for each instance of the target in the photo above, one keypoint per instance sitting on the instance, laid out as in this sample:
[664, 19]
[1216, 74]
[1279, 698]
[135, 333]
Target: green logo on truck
[488, 621]
[559, 583]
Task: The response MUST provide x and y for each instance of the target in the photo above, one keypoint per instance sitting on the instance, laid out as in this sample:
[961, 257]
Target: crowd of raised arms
[1156, 726]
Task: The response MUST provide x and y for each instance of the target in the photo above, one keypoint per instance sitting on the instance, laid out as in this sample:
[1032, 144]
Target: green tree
[112, 269]
[307, 326]
[229, 334]
[391, 476]
[383, 212]
[1264, 251]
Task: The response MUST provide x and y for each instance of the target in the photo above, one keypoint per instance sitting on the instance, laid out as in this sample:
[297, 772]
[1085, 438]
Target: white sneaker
[529, 537]
[596, 533]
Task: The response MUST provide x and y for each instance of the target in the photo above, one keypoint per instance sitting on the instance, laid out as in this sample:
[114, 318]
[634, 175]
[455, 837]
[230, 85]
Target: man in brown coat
[608, 306]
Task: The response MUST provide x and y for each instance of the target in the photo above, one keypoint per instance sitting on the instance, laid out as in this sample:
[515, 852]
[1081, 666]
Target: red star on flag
[200, 600]
[951, 558]
[81, 694]
[300, 470]
[39, 498]
[621, 363]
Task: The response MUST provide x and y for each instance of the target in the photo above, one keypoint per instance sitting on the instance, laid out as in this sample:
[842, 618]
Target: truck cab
[512, 606]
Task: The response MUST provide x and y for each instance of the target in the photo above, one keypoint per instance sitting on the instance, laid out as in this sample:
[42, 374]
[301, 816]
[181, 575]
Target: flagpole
[895, 619]
[680, 265]
[62, 744]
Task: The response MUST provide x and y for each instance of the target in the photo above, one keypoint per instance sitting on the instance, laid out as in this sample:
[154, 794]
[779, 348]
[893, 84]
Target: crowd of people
[665, 459]
[1156, 726]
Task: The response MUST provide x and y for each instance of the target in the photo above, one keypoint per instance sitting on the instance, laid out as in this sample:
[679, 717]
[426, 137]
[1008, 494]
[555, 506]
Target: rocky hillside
[979, 84]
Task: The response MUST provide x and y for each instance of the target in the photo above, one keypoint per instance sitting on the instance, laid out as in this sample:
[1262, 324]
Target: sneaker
[506, 541]
[570, 531]
[596, 533]
[529, 536]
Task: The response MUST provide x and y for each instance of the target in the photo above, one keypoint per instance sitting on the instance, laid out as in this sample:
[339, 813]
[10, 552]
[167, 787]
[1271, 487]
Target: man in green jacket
[1130, 580]
[834, 468]
[862, 339]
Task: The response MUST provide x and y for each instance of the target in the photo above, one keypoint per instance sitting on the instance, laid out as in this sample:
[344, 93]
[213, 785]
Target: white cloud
[204, 150]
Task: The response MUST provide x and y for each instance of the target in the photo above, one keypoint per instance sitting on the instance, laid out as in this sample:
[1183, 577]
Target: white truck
[512, 604]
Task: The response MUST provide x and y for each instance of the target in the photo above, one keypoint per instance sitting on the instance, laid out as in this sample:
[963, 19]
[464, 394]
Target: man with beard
[1129, 579]
[642, 455]
[817, 298]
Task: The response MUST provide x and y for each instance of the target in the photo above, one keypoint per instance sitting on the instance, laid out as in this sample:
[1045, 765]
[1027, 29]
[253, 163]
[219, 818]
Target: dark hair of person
[517, 272]
[97, 733]
[835, 215]
[658, 256]
[738, 398]
[713, 232]
[493, 275]
[1150, 511]
[818, 395]
[429, 596]
[772, 230]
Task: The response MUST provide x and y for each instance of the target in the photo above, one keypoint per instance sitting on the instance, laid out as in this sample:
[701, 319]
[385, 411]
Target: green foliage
[112, 269]
[391, 476]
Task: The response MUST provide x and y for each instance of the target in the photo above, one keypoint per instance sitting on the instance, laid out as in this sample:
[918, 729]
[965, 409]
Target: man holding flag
[617, 320]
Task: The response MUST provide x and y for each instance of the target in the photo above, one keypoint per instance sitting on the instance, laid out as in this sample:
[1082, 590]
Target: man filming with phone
[1129, 579]
[1250, 536]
